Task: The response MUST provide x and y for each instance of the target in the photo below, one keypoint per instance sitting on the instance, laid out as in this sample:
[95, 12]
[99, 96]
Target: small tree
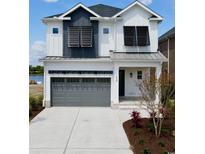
[155, 96]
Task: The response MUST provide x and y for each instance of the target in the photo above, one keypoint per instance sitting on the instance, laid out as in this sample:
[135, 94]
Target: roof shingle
[168, 34]
[105, 10]
[101, 9]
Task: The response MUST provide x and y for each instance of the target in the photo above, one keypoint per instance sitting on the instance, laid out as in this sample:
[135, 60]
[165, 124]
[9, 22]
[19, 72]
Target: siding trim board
[79, 5]
[78, 72]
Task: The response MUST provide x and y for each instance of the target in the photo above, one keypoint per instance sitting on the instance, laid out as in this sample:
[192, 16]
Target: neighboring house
[97, 55]
[167, 47]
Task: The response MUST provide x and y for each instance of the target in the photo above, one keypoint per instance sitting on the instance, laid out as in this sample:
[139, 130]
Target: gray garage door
[80, 91]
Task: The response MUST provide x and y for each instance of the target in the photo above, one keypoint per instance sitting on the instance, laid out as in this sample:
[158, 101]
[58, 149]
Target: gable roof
[55, 15]
[156, 16]
[78, 6]
[168, 34]
[101, 10]
[105, 10]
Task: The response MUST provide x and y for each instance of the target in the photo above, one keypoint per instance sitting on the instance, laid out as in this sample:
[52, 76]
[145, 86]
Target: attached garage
[80, 92]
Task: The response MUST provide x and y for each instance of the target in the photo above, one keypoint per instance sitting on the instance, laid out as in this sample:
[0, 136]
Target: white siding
[78, 65]
[136, 16]
[54, 42]
[132, 84]
[106, 41]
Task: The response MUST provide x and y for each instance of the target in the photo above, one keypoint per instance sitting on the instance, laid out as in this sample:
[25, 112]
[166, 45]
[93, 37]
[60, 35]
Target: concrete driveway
[67, 130]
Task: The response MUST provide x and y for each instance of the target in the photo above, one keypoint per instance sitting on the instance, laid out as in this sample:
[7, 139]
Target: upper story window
[105, 30]
[80, 36]
[136, 36]
[55, 31]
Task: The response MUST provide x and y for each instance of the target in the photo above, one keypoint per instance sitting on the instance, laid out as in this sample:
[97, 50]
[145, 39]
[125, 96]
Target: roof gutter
[45, 20]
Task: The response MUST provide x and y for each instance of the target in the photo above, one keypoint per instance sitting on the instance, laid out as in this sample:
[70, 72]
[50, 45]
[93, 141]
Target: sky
[42, 8]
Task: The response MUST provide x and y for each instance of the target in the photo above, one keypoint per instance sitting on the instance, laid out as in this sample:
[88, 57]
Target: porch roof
[138, 56]
[58, 58]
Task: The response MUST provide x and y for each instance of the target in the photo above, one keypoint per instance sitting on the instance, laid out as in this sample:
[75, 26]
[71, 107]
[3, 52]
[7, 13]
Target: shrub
[141, 142]
[171, 104]
[171, 109]
[161, 143]
[40, 100]
[165, 152]
[32, 103]
[136, 118]
[146, 151]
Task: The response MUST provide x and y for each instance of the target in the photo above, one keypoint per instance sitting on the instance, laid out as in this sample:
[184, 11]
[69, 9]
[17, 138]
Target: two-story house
[97, 55]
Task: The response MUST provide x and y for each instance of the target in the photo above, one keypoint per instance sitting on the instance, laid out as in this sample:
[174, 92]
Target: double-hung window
[136, 36]
[79, 36]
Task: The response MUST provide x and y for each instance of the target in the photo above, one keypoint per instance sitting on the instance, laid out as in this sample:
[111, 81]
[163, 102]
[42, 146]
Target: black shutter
[143, 36]
[86, 36]
[129, 36]
[73, 36]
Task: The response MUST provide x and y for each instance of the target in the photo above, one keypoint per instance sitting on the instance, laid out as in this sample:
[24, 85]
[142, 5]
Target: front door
[121, 83]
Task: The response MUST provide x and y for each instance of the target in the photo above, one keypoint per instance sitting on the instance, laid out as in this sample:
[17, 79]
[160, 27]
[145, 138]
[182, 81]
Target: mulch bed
[34, 113]
[144, 137]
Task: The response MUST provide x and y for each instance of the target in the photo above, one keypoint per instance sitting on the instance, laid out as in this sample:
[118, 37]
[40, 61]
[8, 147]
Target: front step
[132, 107]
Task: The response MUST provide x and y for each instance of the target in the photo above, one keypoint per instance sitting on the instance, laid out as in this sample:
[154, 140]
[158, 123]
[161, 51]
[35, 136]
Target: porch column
[116, 85]
[157, 75]
[47, 90]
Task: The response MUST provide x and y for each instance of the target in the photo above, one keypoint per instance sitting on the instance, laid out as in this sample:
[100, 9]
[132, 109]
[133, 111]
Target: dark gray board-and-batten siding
[80, 17]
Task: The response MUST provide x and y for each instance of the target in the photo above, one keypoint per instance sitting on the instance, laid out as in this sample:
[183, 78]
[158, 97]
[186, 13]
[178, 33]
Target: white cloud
[146, 2]
[51, 1]
[37, 51]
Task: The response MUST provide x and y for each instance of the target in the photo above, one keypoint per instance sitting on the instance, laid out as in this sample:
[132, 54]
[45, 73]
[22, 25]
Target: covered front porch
[128, 73]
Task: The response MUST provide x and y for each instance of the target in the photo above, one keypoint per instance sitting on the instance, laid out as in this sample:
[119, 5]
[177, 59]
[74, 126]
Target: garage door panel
[84, 92]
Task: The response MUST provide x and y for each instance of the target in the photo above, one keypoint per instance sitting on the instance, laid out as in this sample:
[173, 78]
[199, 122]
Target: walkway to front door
[88, 130]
